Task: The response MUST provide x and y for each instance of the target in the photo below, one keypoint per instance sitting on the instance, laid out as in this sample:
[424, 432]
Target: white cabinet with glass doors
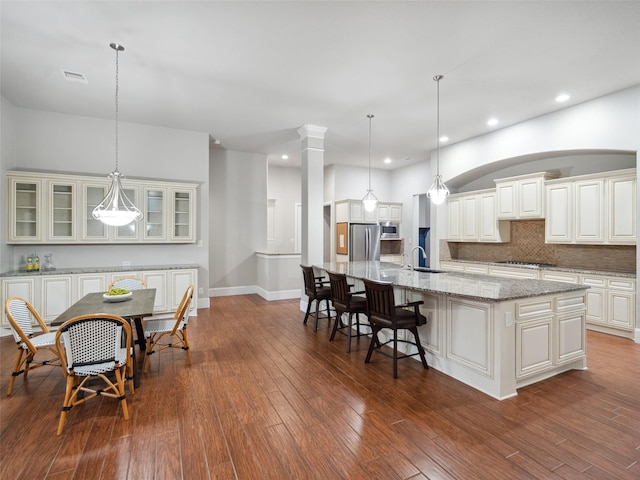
[57, 208]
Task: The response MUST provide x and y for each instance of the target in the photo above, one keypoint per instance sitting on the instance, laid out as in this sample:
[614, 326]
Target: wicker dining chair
[90, 347]
[129, 283]
[169, 333]
[21, 315]
[133, 283]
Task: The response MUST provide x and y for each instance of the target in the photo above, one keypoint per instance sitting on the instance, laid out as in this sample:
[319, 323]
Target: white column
[312, 159]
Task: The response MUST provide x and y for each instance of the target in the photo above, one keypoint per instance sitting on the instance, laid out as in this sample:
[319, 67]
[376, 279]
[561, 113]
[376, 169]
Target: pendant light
[438, 191]
[116, 209]
[370, 200]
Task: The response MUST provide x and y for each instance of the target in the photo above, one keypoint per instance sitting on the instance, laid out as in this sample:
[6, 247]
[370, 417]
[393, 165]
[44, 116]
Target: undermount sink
[426, 270]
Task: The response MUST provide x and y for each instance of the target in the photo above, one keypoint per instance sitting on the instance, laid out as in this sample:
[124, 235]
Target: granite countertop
[72, 271]
[554, 269]
[479, 287]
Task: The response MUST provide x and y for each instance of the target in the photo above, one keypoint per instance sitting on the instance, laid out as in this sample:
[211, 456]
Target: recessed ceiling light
[492, 122]
[387, 160]
[563, 97]
[285, 157]
[74, 77]
[444, 139]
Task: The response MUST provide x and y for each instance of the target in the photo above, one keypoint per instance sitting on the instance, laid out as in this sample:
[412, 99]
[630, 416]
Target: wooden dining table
[134, 309]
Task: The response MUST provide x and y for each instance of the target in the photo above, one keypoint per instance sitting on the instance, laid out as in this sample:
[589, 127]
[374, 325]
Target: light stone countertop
[478, 287]
[553, 269]
[77, 270]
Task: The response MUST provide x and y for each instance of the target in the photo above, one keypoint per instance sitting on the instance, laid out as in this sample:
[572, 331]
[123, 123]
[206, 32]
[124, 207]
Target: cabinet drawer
[559, 277]
[622, 284]
[594, 281]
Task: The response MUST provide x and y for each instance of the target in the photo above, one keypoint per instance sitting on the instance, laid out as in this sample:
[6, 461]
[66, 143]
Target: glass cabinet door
[130, 232]
[25, 210]
[93, 229]
[182, 217]
[62, 201]
[155, 214]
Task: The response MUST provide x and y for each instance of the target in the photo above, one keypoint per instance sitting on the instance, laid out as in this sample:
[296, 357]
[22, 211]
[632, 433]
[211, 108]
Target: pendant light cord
[437, 78]
[370, 116]
[117, 86]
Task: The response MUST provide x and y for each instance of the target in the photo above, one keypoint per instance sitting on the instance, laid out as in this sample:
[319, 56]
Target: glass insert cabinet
[46, 208]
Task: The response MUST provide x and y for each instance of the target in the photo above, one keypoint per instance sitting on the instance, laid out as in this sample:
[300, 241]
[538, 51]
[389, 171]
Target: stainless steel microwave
[389, 230]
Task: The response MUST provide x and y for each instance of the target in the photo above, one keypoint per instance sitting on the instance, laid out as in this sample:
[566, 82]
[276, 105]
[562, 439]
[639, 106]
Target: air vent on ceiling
[74, 77]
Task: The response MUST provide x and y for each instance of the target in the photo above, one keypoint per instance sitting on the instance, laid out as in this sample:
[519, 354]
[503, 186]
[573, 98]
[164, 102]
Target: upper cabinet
[57, 208]
[352, 211]
[521, 197]
[592, 209]
[472, 218]
[25, 210]
[389, 212]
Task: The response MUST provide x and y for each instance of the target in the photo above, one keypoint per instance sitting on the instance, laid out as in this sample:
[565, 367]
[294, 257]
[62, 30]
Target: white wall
[7, 160]
[353, 182]
[62, 143]
[283, 186]
[606, 123]
[238, 206]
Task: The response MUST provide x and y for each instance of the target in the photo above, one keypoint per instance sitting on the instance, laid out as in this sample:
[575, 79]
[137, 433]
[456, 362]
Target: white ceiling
[251, 73]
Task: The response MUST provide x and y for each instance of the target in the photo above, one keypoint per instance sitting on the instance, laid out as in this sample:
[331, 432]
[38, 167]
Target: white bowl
[117, 298]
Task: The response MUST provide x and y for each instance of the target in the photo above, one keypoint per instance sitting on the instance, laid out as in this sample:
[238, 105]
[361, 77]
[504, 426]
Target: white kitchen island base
[500, 347]
[493, 334]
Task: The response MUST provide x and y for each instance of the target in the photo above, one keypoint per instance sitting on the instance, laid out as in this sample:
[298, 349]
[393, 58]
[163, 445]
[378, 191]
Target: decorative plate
[117, 298]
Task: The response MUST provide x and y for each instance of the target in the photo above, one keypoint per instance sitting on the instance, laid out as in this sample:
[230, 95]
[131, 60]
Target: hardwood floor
[266, 397]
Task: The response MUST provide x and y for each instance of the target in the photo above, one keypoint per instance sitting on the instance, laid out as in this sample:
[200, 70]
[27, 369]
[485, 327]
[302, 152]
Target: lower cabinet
[53, 294]
[549, 333]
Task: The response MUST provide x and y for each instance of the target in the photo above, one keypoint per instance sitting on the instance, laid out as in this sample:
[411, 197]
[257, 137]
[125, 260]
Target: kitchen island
[494, 334]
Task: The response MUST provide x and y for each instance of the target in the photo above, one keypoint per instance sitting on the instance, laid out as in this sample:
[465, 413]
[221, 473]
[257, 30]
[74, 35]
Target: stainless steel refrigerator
[364, 242]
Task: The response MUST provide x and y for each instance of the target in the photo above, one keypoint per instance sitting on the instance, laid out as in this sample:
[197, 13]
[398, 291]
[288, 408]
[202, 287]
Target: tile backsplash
[527, 245]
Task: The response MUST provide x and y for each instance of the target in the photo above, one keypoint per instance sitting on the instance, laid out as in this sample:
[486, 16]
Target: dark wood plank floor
[267, 397]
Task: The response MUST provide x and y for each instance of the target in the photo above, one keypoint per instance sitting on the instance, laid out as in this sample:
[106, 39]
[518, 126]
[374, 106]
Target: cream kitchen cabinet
[597, 209]
[94, 231]
[25, 210]
[352, 211]
[559, 223]
[472, 218]
[57, 208]
[56, 295]
[589, 211]
[622, 206]
[390, 212]
[155, 214]
[24, 287]
[62, 211]
[51, 294]
[521, 197]
[454, 218]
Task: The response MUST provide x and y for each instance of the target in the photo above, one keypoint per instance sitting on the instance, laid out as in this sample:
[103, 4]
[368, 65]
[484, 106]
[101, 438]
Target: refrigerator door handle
[366, 244]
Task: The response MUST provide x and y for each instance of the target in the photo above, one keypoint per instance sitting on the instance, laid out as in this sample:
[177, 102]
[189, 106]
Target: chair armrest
[410, 304]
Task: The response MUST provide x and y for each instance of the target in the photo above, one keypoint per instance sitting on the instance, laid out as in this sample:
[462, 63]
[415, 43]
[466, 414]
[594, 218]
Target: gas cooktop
[525, 264]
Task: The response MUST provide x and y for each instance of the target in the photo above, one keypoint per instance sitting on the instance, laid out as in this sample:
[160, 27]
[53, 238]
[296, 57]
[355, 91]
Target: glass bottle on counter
[29, 266]
[36, 263]
[48, 265]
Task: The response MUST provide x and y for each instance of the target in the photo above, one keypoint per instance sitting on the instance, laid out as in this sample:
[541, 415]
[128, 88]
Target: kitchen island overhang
[494, 334]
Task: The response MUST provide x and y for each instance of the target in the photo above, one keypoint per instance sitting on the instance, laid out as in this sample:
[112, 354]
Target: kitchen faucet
[424, 254]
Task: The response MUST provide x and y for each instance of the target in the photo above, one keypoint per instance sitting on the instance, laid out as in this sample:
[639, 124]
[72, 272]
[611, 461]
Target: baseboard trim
[254, 289]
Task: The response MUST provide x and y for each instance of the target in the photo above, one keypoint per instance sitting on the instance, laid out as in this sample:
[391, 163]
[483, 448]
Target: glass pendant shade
[116, 209]
[438, 191]
[370, 201]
